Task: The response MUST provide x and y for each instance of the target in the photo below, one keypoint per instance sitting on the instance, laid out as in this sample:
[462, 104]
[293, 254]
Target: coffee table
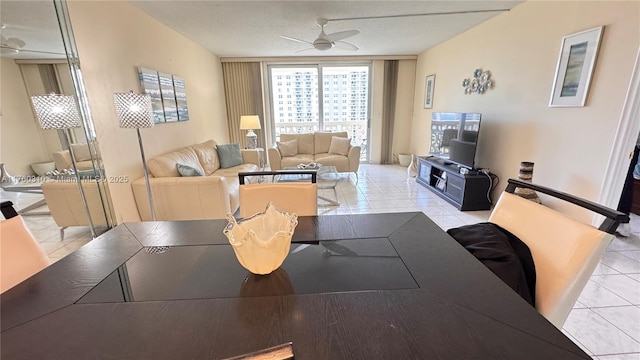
[327, 177]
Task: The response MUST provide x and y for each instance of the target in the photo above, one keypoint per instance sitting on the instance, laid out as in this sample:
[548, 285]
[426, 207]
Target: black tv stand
[465, 192]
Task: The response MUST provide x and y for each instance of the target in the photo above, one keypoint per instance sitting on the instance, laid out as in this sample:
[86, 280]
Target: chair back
[300, 198]
[565, 251]
[20, 255]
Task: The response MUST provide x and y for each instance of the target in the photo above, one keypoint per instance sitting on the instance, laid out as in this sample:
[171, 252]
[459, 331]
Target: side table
[254, 156]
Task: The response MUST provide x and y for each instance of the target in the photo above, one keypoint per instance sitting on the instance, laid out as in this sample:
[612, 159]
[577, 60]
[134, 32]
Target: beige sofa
[212, 196]
[81, 152]
[65, 203]
[314, 147]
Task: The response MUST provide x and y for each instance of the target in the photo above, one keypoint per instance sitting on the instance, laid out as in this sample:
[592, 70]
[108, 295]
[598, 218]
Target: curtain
[388, 110]
[243, 93]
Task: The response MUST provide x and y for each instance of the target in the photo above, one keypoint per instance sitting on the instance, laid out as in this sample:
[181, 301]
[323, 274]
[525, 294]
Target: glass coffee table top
[212, 271]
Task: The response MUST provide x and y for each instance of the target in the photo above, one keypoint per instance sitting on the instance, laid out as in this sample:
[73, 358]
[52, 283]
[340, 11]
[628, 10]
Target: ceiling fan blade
[303, 50]
[341, 35]
[345, 45]
[296, 40]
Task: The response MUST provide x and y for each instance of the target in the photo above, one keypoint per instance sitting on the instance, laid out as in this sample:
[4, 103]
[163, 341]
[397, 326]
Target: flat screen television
[454, 137]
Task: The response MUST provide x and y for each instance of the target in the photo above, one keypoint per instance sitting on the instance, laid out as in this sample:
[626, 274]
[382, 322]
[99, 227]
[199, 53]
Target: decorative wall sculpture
[480, 82]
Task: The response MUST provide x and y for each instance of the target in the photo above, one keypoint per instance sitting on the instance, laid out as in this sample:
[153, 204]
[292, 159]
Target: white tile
[625, 318]
[602, 269]
[596, 295]
[625, 243]
[621, 285]
[636, 277]
[635, 255]
[598, 335]
[620, 262]
[634, 356]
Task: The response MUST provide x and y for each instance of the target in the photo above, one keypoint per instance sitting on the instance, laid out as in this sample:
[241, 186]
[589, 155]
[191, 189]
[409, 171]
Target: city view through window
[296, 93]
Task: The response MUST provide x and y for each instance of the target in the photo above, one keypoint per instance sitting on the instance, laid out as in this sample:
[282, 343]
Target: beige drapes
[388, 110]
[243, 90]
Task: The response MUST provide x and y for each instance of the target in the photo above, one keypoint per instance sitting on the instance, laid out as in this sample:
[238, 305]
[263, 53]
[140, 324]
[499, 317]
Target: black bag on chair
[502, 253]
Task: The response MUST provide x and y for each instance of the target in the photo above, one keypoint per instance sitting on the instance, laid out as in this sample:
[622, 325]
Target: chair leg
[356, 177]
[62, 232]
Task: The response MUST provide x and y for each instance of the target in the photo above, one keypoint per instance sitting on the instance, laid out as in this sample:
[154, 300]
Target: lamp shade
[249, 122]
[56, 111]
[134, 110]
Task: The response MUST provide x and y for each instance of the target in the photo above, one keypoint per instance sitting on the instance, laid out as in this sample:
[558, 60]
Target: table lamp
[250, 122]
[135, 112]
[60, 112]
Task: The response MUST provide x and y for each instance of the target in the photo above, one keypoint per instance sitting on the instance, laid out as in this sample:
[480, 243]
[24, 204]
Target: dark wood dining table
[370, 286]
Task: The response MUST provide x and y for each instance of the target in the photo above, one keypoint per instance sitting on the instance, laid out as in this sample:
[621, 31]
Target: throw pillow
[288, 148]
[230, 155]
[339, 145]
[186, 170]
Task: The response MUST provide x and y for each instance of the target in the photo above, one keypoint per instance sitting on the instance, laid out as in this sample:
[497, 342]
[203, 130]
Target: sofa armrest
[354, 158]
[185, 198]
[275, 159]
[62, 159]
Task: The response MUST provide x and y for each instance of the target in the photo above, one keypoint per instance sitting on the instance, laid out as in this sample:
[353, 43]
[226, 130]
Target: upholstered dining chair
[300, 197]
[565, 251]
[20, 255]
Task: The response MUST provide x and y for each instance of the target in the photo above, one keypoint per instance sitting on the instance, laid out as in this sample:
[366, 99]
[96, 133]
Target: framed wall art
[428, 91]
[181, 98]
[168, 95]
[150, 85]
[576, 62]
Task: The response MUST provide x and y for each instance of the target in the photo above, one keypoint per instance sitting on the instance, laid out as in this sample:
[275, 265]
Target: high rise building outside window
[338, 102]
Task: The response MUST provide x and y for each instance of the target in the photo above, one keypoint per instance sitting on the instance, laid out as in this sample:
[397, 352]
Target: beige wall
[113, 39]
[570, 146]
[20, 136]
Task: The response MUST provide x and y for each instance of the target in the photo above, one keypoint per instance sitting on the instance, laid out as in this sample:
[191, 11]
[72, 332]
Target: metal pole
[146, 176]
[82, 195]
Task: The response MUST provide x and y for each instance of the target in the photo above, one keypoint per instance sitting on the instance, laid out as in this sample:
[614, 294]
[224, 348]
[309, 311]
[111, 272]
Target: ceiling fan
[15, 45]
[327, 41]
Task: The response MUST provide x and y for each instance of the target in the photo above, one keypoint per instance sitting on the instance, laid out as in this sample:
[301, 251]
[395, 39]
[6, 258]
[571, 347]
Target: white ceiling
[252, 28]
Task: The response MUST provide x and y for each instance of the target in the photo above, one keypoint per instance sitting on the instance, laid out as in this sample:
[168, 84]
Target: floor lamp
[135, 112]
[60, 112]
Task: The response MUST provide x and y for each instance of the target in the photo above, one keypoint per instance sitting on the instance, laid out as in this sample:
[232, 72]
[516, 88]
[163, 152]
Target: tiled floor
[605, 321]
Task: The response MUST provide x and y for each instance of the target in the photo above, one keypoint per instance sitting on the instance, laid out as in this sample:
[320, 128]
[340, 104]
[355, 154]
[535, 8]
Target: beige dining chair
[299, 197]
[565, 251]
[20, 255]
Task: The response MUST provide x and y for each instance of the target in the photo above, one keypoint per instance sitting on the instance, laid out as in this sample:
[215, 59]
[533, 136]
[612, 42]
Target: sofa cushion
[186, 170]
[81, 151]
[165, 165]
[339, 145]
[323, 140]
[305, 142]
[288, 148]
[232, 173]
[292, 161]
[208, 156]
[341, 162]
[229, 154]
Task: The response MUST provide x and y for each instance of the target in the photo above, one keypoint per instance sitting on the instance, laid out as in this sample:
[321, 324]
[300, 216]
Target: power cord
[492, 185]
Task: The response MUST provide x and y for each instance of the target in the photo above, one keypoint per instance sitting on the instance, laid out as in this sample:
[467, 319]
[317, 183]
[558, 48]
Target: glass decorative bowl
[261, 242]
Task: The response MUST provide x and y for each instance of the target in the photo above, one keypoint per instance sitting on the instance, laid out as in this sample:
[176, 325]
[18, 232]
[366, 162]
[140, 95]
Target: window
[317, 90]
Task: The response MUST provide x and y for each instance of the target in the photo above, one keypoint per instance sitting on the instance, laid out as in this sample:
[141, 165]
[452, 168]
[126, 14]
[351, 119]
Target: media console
[465, 192]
